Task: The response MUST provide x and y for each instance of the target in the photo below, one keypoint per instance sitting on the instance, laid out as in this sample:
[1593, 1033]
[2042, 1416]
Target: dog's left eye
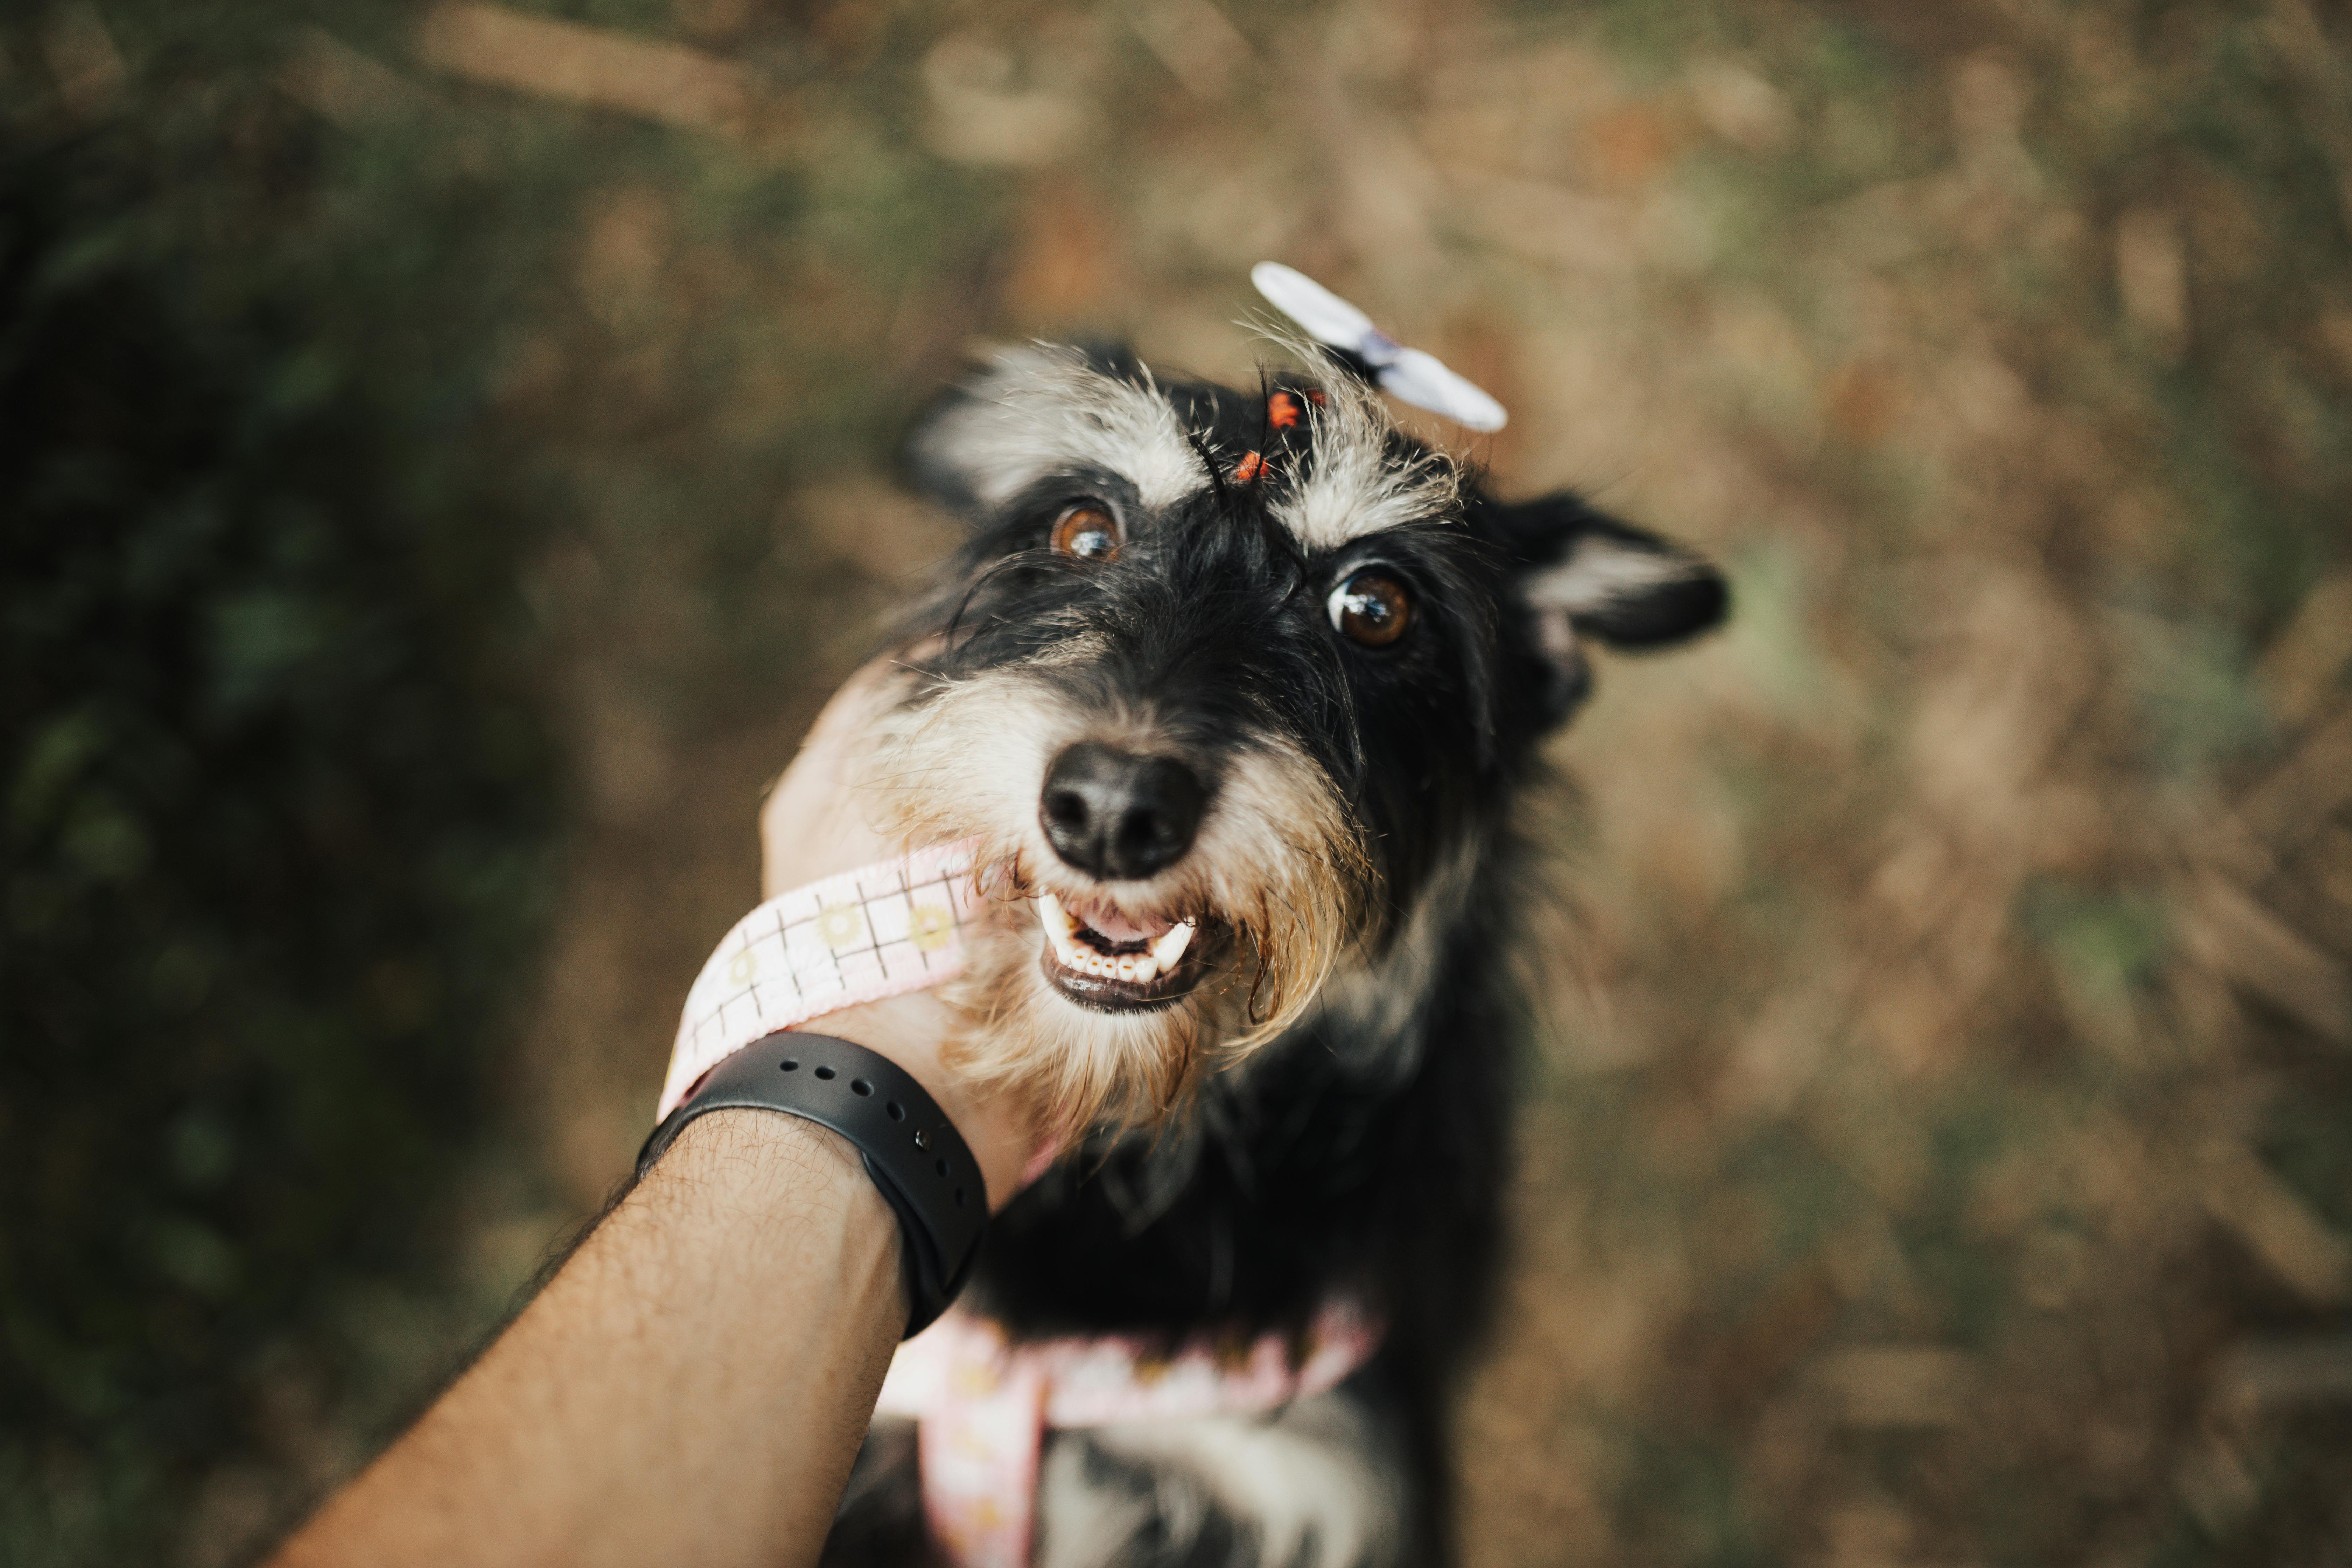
[1370, 608]
[1087, 531]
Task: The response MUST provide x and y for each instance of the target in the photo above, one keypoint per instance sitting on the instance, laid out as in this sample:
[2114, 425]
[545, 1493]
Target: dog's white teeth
[1170, 949]
[1102, 966]
[1060, 929]
[1129, 968]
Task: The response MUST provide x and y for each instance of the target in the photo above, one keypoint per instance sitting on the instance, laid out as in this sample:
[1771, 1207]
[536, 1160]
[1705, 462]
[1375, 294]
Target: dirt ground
[1939, 1151]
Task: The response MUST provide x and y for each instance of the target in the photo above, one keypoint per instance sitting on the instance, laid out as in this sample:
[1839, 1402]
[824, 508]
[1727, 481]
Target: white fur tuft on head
[1355, 483]
[1041, 408]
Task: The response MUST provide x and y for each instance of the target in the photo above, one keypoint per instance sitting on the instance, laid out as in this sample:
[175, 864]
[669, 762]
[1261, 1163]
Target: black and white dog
[1243, 691]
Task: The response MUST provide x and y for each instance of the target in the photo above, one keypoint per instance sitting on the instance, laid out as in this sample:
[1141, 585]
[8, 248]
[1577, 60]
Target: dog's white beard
[1277, 862]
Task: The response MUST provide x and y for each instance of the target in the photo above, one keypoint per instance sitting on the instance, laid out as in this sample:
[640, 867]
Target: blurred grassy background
[444, 465]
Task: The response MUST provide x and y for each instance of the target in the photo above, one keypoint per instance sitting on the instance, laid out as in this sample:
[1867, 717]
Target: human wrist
[905, 1142]
[745, 1164]
[817, 962]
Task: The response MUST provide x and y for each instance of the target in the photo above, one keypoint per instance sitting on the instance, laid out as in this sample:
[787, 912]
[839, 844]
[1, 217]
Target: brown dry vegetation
[1939, 1153]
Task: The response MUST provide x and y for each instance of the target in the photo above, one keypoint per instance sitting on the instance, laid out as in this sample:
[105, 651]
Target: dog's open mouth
[1101, 957]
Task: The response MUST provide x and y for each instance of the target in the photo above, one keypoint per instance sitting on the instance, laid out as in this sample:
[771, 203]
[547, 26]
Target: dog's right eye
[1371, 609]
[1087, 531]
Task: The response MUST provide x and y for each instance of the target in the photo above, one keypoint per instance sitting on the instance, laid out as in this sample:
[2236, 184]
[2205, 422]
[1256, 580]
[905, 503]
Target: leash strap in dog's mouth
[880, 931]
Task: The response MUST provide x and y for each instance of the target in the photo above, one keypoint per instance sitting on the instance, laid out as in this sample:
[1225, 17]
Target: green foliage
[275, 805]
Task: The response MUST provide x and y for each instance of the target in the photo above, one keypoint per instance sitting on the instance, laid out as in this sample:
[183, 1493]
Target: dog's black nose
[1114, 814]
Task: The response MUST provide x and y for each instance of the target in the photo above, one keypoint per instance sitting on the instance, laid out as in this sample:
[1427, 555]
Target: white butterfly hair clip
[1408, 374]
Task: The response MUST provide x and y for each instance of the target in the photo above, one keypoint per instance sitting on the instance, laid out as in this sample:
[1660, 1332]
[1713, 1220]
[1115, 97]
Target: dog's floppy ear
[1585, 574]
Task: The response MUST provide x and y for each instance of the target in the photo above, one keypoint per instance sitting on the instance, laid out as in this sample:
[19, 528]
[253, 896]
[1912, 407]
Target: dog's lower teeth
[1062, 931]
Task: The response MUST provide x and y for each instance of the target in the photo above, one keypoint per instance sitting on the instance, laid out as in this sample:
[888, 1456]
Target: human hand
[813, 826]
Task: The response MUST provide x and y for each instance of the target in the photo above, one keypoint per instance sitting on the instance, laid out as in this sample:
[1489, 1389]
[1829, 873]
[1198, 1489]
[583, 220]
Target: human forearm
[692, 1387]
[688, 1390]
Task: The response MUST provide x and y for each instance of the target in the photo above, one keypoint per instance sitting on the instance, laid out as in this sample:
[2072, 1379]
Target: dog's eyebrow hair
[1041, 409]
[1354, 482]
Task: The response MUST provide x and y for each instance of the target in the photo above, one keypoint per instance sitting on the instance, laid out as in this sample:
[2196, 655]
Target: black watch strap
[921, 1163]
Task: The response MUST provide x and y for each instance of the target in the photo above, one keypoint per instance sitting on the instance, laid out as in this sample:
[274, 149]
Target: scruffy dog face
[1225, 683]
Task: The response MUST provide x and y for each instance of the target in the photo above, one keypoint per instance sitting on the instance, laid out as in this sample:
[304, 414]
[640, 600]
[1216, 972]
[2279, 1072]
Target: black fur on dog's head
[1252, 663]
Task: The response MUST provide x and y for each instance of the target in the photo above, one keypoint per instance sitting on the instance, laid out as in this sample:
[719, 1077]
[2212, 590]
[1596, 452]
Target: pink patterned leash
[880, 931]
[984, 1403]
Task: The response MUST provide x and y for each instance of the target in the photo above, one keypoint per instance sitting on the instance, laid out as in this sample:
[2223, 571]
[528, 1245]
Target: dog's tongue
[1103, 918]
